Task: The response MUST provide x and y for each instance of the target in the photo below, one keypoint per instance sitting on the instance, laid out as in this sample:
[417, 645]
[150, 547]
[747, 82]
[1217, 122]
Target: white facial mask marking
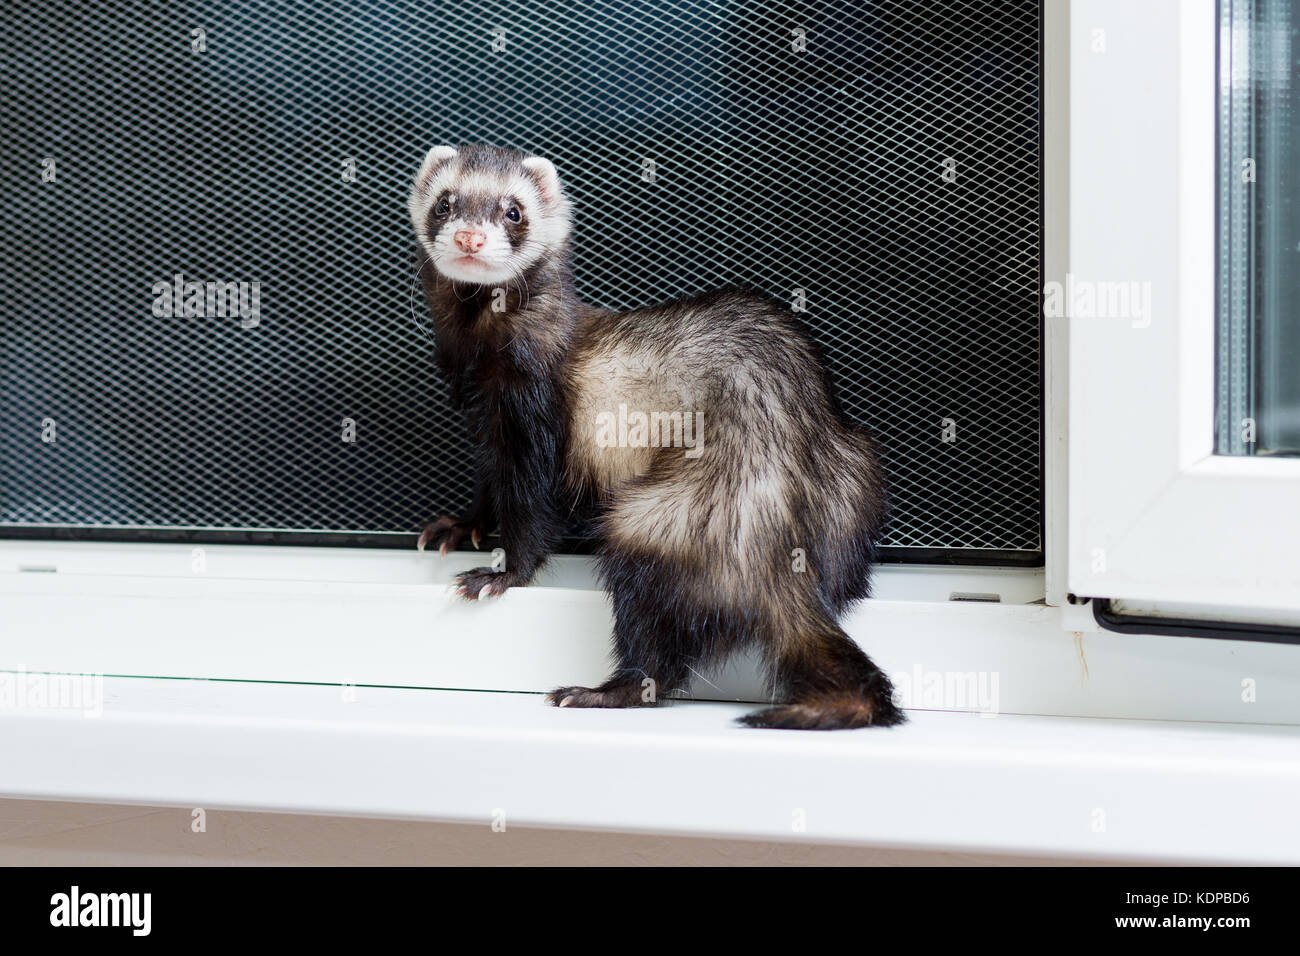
[496, 262]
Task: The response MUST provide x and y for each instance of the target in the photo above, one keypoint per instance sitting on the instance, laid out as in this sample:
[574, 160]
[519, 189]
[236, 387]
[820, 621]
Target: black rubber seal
[1112, 620]
[397, 541]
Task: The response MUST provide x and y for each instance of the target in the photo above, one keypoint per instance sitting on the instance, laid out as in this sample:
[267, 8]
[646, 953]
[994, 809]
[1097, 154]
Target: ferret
[733, 503]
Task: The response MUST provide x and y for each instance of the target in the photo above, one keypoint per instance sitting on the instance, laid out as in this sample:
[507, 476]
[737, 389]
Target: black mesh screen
[888, 169]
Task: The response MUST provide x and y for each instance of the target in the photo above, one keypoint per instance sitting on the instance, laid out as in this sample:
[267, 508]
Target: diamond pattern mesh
[819, 170]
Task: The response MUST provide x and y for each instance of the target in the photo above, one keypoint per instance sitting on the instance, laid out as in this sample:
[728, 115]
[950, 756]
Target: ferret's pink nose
[469, 240]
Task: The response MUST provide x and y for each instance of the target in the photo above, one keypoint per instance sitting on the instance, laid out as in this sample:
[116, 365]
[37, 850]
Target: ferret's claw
[434, 530]
[484, 591]
[449, 533]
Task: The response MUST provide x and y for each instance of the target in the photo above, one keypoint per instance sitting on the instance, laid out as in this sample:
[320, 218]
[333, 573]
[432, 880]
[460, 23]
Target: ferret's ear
[437, 156]
[547, 179]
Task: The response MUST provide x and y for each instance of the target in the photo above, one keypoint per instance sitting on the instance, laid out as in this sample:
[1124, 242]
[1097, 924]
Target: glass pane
[1258, 381]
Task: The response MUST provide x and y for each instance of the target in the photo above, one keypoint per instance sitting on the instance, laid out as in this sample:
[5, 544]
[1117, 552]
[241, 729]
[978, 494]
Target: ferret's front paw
[479, 583]
[448, 532]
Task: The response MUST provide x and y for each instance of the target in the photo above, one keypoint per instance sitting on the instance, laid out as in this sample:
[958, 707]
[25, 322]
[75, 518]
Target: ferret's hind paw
[628, 695]
[832, 714]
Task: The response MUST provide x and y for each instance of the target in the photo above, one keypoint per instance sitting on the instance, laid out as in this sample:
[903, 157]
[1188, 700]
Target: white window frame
[1158, 520]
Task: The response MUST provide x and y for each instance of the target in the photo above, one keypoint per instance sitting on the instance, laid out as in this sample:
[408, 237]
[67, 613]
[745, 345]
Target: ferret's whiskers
[415, 280]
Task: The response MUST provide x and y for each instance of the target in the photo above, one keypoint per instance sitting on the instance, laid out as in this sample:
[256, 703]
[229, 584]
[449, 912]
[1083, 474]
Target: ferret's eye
[513, 214]
[443, 207]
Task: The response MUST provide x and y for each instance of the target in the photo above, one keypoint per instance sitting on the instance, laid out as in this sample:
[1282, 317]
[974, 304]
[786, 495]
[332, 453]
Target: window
[1158, 521]
[1151, 518]
[703, 144]
[1258, 393]
[159, 444]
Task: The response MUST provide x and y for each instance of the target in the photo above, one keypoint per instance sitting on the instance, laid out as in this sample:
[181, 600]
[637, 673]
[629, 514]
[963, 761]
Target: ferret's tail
[827, 681]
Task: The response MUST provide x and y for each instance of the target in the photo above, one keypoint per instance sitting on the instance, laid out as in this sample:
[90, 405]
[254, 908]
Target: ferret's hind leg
[656, 642]
[827, 681]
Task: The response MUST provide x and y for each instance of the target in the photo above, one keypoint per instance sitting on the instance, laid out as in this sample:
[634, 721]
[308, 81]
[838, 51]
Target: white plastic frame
[1154, 515]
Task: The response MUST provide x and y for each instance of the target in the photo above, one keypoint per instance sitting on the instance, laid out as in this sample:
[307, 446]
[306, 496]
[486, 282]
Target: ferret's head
[485, 215]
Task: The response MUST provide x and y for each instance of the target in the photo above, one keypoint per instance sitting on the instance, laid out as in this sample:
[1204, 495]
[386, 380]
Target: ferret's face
[485, 215]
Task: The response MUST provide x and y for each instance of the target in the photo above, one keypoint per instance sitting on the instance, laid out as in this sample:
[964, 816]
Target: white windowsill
[1035, 785]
